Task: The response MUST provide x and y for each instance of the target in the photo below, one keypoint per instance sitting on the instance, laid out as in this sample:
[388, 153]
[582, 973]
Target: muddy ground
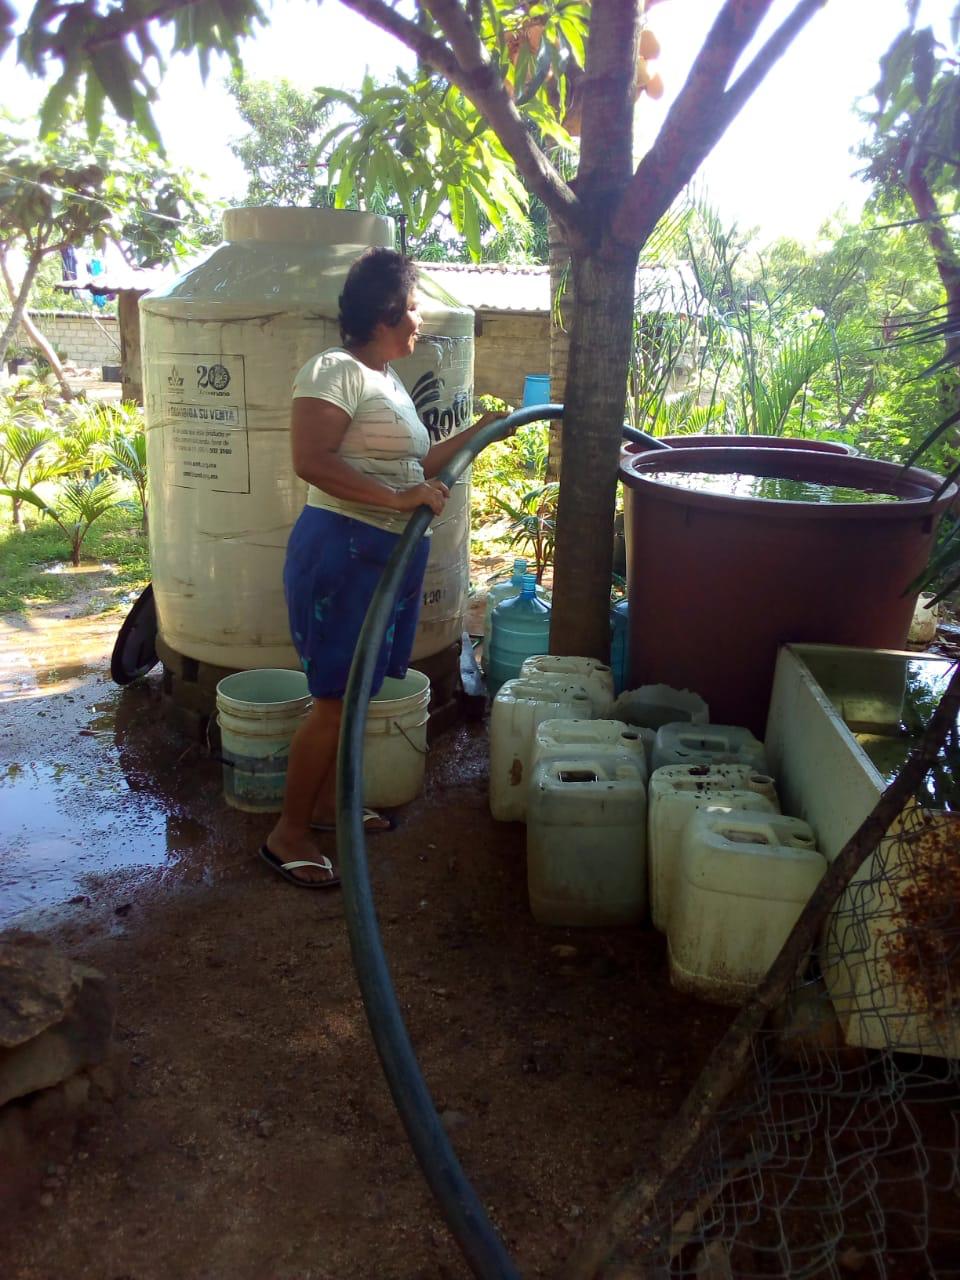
[248, 1132]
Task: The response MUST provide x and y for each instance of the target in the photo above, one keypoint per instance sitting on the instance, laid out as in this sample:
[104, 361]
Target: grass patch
[26, 559]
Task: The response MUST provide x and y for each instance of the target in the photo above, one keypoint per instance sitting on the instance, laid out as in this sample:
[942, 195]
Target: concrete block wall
[87, 341]
[508, 346]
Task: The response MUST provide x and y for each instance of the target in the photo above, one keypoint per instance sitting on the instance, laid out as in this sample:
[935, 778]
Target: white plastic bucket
[395, 741]
[259, 712]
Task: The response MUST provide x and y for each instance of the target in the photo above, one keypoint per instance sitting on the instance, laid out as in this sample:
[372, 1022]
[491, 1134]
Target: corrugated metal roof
[114, 280]
[486, 286]
[493, 286]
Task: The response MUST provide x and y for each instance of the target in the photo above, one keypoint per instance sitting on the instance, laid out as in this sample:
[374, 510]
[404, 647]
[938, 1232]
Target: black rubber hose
[640, 437]
[464, 1213]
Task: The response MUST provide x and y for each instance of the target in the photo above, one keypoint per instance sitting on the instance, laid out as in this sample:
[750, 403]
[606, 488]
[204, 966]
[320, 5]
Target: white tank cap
[308, 226]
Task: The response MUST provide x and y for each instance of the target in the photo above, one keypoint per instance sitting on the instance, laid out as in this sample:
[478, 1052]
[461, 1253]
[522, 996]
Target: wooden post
[131, 371]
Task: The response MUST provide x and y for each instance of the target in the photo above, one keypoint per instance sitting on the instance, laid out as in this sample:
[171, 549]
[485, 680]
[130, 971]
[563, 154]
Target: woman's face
[404, 332]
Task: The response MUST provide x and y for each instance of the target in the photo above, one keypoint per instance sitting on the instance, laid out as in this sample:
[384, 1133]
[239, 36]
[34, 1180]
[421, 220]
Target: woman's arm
[317, 428]
[440, 454]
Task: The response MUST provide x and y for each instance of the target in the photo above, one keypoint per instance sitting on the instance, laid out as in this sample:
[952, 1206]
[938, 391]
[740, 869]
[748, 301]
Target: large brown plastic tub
[716, 584]
[695, 440]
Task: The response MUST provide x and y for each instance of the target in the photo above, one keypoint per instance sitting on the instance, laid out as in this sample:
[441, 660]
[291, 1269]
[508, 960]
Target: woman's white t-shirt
[385, 438]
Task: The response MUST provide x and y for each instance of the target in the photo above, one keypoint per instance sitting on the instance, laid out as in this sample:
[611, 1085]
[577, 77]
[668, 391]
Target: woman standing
[367, 460]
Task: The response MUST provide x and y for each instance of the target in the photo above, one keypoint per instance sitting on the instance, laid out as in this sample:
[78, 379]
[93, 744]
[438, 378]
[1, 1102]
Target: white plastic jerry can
[559, 739]
[595, 677]
[744, 879]
[517, 709]
[674, 793]
[683, 743]
[652, 705]
[586, 842]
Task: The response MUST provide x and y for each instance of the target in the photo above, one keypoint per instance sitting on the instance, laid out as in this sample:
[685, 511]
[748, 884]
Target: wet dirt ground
[250, 1133]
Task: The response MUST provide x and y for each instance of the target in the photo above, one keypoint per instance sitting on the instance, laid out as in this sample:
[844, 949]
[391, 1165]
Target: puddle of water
[61, 830]
[63, 673]
[19, 682]
[75, 570]
[24, 680]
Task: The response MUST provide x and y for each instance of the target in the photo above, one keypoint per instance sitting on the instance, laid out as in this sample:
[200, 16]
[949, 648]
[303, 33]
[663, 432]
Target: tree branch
[466, 64]
[427, 47]
[944, 254]
[724, 1068]
[775, 48]
[703, 110]
[19, 302]
[38, 339]
[464, 39]
[608, 90]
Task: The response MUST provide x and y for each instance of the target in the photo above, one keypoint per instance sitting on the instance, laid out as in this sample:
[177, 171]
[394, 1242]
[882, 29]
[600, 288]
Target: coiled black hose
[465, 1215]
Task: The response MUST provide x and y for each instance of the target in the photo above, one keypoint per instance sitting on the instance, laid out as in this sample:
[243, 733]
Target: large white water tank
[221, 346]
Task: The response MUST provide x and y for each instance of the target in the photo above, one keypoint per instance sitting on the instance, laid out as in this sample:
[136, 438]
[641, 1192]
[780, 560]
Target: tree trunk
[948, 268]
[945, 256]
[56, 368]
[561, 314]
[19, 303]
[34, 334]
[596, 387]
[603, 271]
[128, 319]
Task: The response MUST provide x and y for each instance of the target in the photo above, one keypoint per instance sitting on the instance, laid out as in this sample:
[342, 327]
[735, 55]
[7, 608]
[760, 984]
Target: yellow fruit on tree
[654, 86]
[643, 74]
[649, 44]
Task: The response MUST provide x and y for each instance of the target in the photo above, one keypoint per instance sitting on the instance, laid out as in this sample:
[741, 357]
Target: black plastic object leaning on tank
[135, 649]
[459, 1202]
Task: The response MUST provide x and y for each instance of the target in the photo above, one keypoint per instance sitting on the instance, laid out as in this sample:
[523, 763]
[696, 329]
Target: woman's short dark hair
[375, 291]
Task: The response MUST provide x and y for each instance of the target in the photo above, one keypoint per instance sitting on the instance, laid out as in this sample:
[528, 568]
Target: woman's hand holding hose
[432, 494]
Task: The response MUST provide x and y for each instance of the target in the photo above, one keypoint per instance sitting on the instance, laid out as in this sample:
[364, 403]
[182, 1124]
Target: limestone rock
[56, 1016]
[36, 988]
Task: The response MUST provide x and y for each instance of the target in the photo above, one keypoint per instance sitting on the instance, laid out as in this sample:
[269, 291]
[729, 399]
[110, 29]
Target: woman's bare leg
[311, 782]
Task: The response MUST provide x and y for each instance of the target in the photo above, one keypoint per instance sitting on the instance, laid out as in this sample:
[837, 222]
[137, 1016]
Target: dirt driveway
[250, 1133]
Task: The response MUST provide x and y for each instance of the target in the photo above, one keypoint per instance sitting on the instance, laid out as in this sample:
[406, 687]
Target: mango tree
[605, 212]
[278, 150]
[915, 149]
[915, 153]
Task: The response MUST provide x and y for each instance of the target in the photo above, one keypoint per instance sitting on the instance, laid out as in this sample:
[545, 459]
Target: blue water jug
[500, 591]
[619, 645]
[520, 628]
